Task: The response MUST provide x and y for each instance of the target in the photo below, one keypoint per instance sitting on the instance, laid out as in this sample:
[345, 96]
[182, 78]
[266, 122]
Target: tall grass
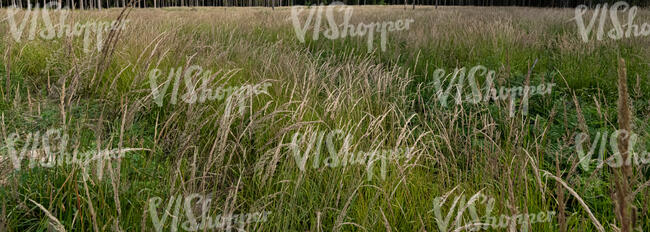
[382, 99]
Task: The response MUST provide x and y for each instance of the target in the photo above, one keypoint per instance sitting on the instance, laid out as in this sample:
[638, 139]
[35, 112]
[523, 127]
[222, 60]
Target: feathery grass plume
[624, 114]
[525, 98]
[624, 173]
[582, 123]
[104, 60]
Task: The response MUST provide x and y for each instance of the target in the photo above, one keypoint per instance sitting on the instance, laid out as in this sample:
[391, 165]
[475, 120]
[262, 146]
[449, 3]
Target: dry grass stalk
[582, 202]
[538, 178]
[53, 221]
[93, 215]
[561, 203]
[7, 62]
[3, 216]
[511, 196]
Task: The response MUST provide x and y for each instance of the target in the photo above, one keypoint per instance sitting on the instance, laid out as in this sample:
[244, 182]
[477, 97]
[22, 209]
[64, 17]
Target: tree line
[100, 4]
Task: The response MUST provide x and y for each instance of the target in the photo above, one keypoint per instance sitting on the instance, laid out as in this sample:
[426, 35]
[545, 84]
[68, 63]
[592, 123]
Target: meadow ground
[244, 150]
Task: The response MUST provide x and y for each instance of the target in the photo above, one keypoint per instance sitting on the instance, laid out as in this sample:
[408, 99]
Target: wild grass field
[333, 94]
